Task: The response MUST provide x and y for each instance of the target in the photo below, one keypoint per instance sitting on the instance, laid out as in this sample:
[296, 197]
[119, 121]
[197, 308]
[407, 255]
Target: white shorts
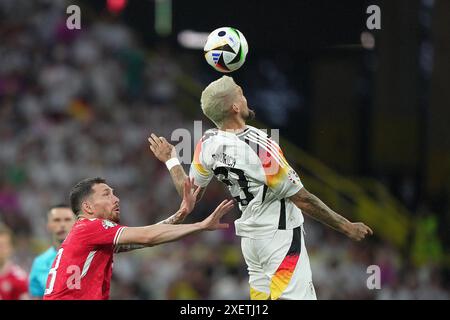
[279, 268]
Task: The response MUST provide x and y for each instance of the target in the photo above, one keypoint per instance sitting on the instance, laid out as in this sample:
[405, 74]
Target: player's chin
[115, 216]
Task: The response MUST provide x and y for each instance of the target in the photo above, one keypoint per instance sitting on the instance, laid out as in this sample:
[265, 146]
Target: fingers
[366, 230]
[156, 139]
[197, 191]
[219, 207]
[188, 182]
[163, 140]
[222, 209]
[152, 144]
[212, 222]
[228, 205]
[360, 231]
[152, 141]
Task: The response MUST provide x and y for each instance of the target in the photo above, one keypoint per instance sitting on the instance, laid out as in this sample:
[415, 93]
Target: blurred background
[363, 116]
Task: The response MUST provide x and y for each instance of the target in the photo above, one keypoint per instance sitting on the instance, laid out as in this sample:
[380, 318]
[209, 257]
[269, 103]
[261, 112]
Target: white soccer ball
[226, 49]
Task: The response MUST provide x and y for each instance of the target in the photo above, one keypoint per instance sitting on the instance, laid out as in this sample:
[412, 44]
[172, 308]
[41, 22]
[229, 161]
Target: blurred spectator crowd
[81, 103]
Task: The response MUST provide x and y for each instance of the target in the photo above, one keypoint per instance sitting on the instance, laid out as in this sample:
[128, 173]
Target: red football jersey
[82, 268]
[13, 283]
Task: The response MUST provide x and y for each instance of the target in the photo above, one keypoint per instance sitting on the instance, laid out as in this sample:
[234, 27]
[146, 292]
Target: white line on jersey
[268, 147]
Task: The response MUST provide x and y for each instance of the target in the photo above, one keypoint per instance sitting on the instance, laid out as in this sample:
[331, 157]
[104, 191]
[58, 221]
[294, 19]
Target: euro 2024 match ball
[226, 49]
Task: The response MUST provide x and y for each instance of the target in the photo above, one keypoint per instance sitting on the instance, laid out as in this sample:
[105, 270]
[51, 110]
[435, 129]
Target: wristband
[172, 163]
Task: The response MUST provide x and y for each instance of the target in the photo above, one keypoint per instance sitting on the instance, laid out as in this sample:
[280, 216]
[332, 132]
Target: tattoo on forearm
[320, 211]
[173, 219]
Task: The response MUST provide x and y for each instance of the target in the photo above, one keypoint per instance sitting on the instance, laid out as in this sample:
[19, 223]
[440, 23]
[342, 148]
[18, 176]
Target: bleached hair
[216, 100]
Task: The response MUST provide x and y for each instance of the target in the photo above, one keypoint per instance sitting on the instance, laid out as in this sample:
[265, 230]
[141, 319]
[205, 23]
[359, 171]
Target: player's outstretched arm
[314, 207]
[162, 233]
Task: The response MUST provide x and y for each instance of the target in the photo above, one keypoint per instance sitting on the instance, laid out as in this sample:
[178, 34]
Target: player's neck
[83, 215]
[234, 125]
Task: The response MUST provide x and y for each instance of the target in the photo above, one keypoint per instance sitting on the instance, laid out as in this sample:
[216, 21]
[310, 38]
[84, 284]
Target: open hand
[162, 149]
[212, 222]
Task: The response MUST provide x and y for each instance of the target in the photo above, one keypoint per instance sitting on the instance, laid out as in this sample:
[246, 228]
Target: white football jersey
[258, 176]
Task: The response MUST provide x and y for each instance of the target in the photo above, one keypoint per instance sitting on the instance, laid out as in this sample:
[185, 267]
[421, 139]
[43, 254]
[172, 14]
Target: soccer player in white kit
[270, 194]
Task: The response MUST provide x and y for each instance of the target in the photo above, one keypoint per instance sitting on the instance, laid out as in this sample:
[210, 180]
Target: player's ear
[86, 207]
[235, 108]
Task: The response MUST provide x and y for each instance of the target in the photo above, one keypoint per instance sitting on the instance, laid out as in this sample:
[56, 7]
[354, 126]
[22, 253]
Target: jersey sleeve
[199, 169]
[101, 232]
[281, 178]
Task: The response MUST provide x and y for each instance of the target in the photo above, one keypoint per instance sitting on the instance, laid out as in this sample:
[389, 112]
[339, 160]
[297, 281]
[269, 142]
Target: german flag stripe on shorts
[283, 275]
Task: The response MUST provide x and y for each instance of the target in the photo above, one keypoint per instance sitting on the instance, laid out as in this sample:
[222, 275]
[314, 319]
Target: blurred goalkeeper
[270, 194]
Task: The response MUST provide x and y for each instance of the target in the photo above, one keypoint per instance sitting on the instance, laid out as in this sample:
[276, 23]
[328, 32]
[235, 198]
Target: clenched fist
[358, 231]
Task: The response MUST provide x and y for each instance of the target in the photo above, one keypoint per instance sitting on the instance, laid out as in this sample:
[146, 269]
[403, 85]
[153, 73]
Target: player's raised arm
[165, 152]
[314, 207]
[162, 233]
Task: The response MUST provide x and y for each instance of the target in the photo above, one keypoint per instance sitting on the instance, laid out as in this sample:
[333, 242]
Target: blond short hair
[217, 98]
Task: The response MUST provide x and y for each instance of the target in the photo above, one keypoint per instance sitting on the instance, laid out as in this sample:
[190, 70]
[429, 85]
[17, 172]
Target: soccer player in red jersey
[13, 280]
[82, 268]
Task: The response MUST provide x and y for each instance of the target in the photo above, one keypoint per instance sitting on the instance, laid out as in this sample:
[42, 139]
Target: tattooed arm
[176, 218]
[314, 207]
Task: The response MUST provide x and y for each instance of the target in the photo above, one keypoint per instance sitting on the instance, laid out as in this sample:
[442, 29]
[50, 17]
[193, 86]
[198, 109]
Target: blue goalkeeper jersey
[39, 272]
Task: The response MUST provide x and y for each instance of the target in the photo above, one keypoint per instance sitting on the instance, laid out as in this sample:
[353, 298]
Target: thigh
[259, 282]
[287, 265]
[301, 286]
